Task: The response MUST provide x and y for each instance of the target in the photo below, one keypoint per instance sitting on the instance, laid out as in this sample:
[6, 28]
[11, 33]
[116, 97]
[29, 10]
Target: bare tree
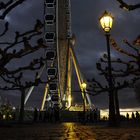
[133, 65]
[121, 69]
[128, 7]
[13, 78]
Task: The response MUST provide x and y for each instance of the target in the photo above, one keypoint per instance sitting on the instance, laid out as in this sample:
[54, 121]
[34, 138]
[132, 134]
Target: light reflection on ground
[68, 131]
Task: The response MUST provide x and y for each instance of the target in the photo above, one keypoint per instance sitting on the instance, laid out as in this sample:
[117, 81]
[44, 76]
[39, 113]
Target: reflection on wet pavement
[67, 131]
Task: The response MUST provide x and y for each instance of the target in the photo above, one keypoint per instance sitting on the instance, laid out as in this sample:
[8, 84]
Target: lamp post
[83, 88]
[106, 21]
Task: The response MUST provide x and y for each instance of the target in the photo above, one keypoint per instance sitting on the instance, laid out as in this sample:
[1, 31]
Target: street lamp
[83, 88]
[106, 21]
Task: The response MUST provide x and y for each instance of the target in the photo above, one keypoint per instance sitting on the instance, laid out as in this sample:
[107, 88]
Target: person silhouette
[35, 114]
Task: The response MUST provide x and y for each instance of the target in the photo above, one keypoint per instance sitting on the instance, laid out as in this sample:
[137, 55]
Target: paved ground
[67, 131]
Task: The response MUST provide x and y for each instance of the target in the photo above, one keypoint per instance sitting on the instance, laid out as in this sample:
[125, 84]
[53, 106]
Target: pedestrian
[45, 116]
[35, 114]
[133, 117]
[137, 116]
[95, 116]
[56, 114]
[127, 117]
[40, 115]
[14, 116]
[91, 116]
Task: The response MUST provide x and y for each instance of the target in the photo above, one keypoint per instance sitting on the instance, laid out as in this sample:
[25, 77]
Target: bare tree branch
[5, 30]
[128, 7]
[9, 6]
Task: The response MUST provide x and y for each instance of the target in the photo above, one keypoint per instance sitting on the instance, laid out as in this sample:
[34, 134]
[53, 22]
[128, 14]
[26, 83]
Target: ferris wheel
[59, 56]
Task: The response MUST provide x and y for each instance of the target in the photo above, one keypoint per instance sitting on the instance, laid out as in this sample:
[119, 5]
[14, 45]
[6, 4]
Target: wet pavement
[67, 131]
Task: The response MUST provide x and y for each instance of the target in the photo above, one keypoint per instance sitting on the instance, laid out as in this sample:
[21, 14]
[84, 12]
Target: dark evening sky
[91, 43]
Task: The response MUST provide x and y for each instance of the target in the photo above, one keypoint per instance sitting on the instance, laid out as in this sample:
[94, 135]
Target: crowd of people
[89, 116]
[135, 117]
[55, 115]
[50, 115]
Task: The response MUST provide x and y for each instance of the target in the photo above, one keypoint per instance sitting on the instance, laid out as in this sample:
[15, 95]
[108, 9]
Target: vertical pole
[84, 105]
[117, 107]
[21, 114]
[112, 119]
[44, 98]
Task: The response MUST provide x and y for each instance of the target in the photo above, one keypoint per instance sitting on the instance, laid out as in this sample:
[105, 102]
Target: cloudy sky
[91, 43]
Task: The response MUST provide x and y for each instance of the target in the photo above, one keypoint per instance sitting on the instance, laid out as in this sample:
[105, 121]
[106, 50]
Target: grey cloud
[90, 37]
[91, 42]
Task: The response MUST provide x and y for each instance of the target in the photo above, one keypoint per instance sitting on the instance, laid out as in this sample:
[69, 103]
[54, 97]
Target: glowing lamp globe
[84, 85]
[106, 21]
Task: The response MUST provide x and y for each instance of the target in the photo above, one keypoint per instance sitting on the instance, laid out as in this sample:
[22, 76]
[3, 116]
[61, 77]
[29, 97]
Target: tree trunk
[117, 107]
[21, 114]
